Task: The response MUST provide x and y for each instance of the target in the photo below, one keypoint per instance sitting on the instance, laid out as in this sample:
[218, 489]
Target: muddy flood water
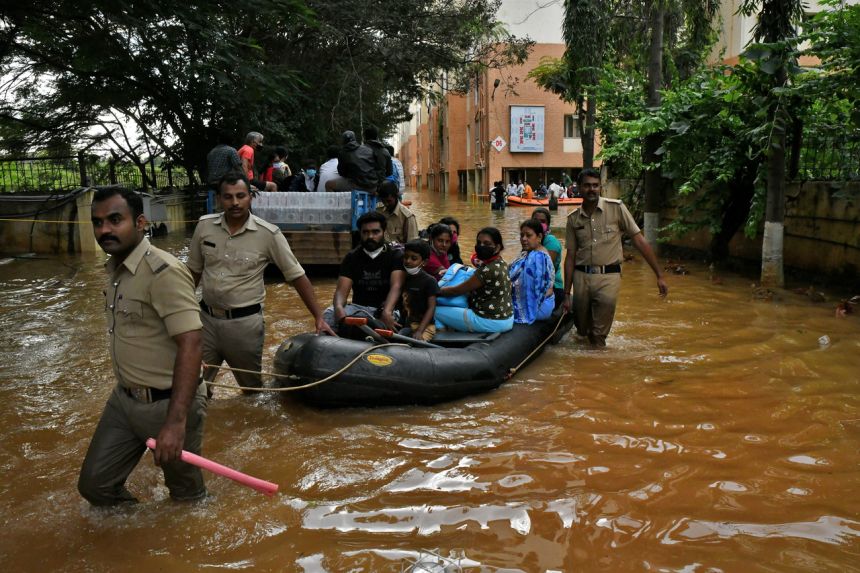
[715, 433]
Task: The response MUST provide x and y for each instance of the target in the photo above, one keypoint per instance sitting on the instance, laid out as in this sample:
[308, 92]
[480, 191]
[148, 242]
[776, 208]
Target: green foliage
[158, 76]
[713, 141]
[719, 123]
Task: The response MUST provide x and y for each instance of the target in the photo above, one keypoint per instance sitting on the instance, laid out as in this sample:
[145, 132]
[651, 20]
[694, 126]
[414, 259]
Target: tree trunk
[771, 249]
[736, 210]
[653, 180]
[587, 133]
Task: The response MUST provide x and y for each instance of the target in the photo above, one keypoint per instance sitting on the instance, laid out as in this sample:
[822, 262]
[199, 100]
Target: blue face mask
[311, 173]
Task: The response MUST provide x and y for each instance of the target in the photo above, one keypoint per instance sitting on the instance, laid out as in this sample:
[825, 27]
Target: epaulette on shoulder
[575, 211]
[616, 201]
[266, 225]
[156, 260]
[210, 216]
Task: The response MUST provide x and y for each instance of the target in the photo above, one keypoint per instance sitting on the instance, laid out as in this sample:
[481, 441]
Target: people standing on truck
[154, 330]
[382, 159]
[374, 272]
[401, 223]
[328, 170]
[221, 159]
[229, 252]
[254, 143]
[278, 171]
[397, 167]
[307, 179]
[356, 164]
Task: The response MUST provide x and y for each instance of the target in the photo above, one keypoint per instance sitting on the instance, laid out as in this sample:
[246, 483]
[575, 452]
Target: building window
[571, 127]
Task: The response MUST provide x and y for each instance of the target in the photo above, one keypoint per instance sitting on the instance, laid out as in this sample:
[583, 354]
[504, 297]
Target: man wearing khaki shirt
[155, 345]
[592, 266]
[401, 225]
[229, 252]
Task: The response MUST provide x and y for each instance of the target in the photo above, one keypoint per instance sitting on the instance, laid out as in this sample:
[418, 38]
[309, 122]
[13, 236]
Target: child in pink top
[440, 242]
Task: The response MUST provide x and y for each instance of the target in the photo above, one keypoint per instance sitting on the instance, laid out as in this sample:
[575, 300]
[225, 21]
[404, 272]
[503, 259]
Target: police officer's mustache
[104, 238]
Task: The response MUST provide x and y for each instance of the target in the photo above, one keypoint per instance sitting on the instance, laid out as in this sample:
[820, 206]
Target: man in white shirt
[328, 170]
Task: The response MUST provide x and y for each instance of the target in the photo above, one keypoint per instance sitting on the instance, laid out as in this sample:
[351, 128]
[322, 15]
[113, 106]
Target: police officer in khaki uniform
[229, 252]
[401, 225]
[594, 254]
[155, 344]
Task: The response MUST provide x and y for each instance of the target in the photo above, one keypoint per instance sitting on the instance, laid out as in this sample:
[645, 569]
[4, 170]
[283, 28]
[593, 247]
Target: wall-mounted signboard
[527, 123]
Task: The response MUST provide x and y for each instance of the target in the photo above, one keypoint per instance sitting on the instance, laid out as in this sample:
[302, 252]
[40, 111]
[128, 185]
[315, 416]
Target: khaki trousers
[120, 440]
[594, 299]
[239, 342]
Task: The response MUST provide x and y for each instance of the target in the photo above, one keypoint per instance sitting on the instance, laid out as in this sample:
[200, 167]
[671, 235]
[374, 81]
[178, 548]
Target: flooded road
[714, 433]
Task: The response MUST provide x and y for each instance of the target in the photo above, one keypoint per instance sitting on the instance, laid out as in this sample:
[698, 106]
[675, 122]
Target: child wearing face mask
[419, 292]
[307, 179]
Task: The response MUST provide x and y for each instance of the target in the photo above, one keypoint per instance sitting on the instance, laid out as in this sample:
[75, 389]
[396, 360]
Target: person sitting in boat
[489, 288]
[528, 192]
[532, 276]
[419, 292]
[374, 272]
[551, 244]
[454, 249]
[440, 243]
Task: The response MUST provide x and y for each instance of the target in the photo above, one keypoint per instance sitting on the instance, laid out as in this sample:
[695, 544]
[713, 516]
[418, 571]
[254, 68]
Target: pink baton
[262, 486]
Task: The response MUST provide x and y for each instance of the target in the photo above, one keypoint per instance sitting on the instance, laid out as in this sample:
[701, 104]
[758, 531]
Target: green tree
[298, 70]
[776, 30]
[661, 41]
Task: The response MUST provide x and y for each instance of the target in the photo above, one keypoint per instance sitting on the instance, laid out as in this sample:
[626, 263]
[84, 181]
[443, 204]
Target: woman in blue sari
[532, 275]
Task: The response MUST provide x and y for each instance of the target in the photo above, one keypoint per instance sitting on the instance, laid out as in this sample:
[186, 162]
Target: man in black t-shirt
[500, 196]
[374, 273]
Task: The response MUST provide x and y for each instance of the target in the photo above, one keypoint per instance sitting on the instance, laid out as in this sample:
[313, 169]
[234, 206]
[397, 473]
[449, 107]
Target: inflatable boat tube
[466, 364]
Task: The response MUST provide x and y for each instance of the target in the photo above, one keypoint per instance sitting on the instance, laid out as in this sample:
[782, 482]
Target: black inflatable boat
[461, 365]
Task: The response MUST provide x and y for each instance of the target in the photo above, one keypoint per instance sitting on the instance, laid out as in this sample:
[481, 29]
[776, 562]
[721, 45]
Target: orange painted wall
[455, 141]
[487, 113]
[498, 106]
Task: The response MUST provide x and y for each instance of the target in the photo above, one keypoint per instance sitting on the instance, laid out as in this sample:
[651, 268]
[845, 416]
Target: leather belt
[146, 394]
[232, 312]
[598, 269]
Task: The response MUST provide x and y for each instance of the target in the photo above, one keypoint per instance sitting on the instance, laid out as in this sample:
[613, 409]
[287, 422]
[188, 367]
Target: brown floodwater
[715, 433]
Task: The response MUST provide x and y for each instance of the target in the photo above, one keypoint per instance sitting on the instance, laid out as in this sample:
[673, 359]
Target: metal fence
[86, 169]
[829, 155]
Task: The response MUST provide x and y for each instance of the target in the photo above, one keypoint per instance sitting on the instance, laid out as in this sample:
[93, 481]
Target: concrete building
[463, 143]
[736, 31]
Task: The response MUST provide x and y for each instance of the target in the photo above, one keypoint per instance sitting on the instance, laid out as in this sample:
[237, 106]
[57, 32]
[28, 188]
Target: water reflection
[714, 433]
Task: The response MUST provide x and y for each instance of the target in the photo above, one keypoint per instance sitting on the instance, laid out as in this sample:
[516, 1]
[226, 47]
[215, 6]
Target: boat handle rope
[292, 388]
[514, 370]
